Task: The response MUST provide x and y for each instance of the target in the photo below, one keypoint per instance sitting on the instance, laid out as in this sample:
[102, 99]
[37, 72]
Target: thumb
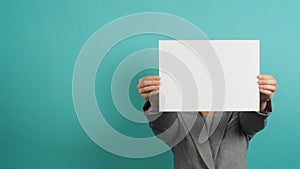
[154, 98]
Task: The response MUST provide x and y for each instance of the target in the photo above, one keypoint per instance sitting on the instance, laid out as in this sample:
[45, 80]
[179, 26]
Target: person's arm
[253, 122]
[163, 124]
[159, 122]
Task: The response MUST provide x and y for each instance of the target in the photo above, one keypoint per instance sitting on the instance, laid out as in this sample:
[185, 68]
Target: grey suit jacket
[225, 148]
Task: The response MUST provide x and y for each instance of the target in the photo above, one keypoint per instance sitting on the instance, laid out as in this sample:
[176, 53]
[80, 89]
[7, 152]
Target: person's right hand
[148, 84]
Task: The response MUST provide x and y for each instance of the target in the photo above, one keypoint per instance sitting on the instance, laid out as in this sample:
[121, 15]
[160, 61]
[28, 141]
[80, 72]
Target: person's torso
[228, 149]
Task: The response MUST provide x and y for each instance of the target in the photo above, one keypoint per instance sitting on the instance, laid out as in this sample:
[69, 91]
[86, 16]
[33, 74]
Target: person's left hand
[267, 88]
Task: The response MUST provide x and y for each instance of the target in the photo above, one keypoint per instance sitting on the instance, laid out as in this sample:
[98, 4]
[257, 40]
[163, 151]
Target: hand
[148, 84]
[267, 88]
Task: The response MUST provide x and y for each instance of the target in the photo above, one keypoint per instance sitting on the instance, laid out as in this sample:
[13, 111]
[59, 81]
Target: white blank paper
[203, 75]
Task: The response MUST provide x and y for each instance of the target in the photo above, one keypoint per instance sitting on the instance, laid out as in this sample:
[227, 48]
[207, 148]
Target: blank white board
[209, 75]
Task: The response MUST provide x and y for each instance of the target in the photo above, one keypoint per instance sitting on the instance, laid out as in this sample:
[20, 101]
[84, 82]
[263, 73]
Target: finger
[267, 92]
[148, 89]
[265, 76]
[151, 78]
[148, 78]
[268, 87]
[148, 83]
[145, 96]
[267, 82]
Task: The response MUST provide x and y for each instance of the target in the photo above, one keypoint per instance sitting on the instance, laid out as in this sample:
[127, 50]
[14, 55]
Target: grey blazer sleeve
[165, 125]
[253, 122]
[158, 121]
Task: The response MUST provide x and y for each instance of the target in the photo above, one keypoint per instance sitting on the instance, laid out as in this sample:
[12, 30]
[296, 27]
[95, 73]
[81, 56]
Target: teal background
[39, 44]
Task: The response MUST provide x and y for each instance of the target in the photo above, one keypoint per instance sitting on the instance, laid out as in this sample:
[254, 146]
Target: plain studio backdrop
[40, 43]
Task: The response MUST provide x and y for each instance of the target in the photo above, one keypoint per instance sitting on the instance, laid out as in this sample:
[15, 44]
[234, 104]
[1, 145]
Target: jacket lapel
[218, 131]
[198, 133]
